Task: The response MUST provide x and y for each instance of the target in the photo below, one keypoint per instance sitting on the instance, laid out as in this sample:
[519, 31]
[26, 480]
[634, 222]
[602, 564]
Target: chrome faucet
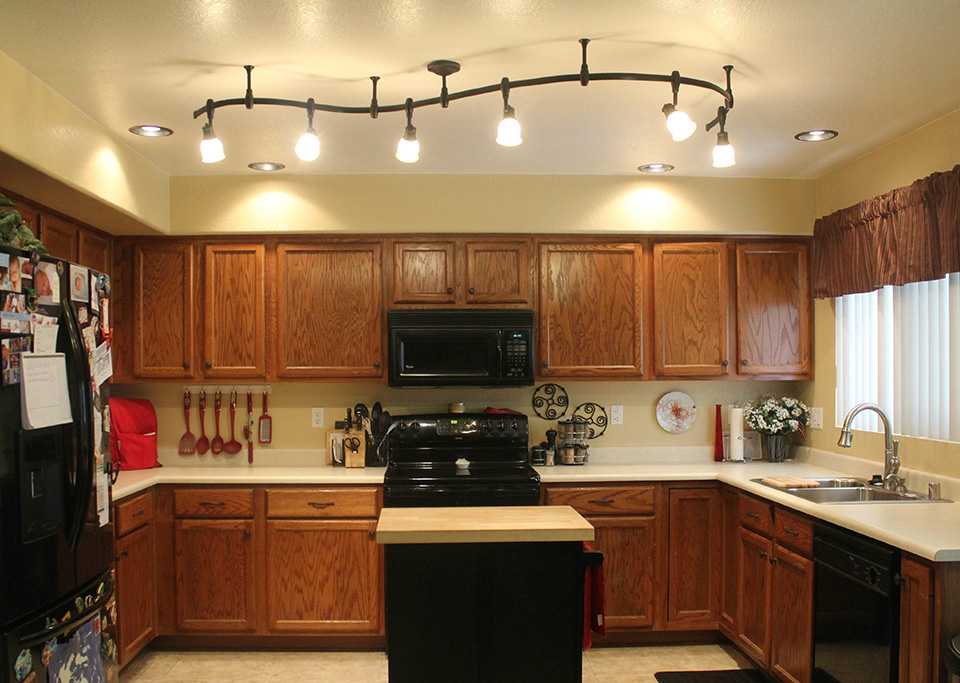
[892, 481]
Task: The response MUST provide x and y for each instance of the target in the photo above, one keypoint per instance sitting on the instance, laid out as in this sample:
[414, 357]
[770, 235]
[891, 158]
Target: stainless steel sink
[842, 491]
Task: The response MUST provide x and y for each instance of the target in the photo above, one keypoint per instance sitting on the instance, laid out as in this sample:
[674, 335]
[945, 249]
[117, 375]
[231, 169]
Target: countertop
[521, 524]
[928, 530]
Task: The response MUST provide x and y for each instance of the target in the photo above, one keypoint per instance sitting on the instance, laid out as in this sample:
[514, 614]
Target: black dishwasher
[856, 608]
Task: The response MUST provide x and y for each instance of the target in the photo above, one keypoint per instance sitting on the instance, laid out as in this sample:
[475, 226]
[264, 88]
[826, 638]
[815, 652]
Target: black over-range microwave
[461, 347]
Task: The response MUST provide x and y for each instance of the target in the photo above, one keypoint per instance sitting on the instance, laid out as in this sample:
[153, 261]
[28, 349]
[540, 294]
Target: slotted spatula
[203, 443]
[216, 446]
[188, 441]
[265, 425]
[232, 447]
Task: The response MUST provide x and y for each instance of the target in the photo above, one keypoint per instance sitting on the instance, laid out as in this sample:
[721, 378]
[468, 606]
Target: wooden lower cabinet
[730, 564]
[136, 592]
[216, 575]
[791, 621]
[324, 576]
[916, 622]
[630, 550]
[693, 557]
[753, 628]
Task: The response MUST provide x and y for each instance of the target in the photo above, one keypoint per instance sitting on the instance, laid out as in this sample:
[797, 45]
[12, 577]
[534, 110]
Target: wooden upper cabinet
[690, 309]
[329, 315]
[30, 215]
[163, 309]
[916, 622]
[497, 272]
[791, 616]
[424, 272]
[94, 251]
[591, 309]
[234, 315]
[60, 237]
[773, 309]
[694, 555]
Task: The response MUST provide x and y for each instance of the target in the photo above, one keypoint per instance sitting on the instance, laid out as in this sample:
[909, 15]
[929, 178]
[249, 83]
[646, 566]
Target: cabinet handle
[753, 515]
[449, 290]
[763, 554]
[212, 504]
[602, 501]
[207, 364]
[723, 364]
[186, 365]
[744, 362]
[546, 364]
[122, 554]
[791, 532]
[472, 290]
[376, 365]
[774, 560]
[317, 505]
[139, 513]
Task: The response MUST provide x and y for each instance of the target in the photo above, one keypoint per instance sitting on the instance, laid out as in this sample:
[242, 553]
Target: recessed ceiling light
[818, 135]
[150, 130]
[655, 168]
[266, 166]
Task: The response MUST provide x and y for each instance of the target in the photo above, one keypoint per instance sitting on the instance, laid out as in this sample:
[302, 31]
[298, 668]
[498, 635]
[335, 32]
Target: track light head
[211, 148]
[679, 123]
[723, 152]
[509, 132]
[408, 147]
[308, 145]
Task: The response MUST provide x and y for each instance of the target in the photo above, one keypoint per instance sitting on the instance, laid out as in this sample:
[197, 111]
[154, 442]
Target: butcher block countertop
[522, 524]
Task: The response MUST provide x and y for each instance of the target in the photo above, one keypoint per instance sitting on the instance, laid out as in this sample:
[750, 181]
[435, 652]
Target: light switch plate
[316, 417]
[616, 415]
[816, 418]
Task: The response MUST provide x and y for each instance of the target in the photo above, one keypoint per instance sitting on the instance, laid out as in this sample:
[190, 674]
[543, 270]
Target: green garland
[14, 231]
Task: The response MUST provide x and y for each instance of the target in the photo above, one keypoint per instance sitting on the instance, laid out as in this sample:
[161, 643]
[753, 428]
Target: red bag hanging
[133, 434]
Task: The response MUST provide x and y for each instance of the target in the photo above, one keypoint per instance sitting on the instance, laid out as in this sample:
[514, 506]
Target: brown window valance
[910, 234]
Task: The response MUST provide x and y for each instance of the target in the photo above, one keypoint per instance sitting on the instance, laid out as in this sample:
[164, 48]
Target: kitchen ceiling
[872, 69]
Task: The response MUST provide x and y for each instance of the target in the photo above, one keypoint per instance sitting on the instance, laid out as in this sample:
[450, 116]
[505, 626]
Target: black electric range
[454, 460]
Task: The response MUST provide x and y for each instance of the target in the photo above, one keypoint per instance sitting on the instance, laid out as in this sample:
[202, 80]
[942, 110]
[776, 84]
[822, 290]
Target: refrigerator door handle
[78, 380]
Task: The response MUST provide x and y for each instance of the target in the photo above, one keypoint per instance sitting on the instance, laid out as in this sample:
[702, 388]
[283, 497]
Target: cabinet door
[324, 576]
[215, 575]
[916, 622]
[690, 309]
[30, 215]
[591, 310]
[94, 251]
[163, 309]
[730, 574]
[329, 317]
[136, 591]
[424, 273]
[693, 558]
[773, 309]
[753, 632]
[234, 311]
[791, 616]
[59, 237]
[630, 548]
[498, 272]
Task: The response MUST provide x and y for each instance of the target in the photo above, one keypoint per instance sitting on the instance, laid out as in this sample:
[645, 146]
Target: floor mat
[734, 676]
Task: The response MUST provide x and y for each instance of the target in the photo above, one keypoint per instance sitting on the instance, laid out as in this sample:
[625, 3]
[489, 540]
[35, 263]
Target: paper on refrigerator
[44, 401]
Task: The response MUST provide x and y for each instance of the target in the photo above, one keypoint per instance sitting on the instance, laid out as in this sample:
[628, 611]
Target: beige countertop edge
[479, 536]
[930, 531]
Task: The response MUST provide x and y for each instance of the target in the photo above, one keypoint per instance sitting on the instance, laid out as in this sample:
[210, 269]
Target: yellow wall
[39, 127]
[291, 405]
[484, 203]
[935, 147]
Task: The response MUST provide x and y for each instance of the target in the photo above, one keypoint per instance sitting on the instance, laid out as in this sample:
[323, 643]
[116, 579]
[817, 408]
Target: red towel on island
[593, 606]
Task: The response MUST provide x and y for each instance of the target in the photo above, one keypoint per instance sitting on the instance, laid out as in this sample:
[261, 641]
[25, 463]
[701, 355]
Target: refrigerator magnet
[79, 284]
[46, 282]
[83, 315]
[94, 292]
[10, 275]
[23, 664]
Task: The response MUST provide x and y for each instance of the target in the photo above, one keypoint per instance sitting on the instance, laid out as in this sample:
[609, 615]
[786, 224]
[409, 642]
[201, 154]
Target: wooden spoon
[188, 441]
[203, 443]
[232, 447]
[216, 446]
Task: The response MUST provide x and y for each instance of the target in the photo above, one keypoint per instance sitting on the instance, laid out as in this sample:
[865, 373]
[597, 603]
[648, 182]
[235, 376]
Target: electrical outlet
[616, 415]
[316, 417]
[816, 418]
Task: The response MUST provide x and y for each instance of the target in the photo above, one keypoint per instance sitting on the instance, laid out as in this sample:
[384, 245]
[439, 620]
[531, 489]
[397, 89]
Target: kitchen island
[484, 594]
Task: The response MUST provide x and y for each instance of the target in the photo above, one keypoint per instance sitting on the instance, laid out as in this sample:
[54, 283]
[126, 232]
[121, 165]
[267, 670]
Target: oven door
[444, 356]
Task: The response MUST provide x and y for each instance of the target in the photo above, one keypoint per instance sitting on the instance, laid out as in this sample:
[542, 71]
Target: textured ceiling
[871, 68]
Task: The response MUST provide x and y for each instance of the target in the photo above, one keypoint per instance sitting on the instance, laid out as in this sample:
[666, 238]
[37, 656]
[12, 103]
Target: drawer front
[605, 500]
[204, 502]
[331, 502]
[793, 531]
[756, 514]
[133, 513]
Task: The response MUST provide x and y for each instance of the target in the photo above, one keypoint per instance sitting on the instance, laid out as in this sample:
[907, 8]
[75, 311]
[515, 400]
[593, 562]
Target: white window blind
[899, 347]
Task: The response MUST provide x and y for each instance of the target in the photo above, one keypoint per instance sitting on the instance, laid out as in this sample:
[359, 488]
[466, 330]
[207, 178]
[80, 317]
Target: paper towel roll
[736, 435]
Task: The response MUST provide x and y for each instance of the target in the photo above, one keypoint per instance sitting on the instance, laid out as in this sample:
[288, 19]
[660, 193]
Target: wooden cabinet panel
[730, 574]
[30, 215]
[916, 622]
[756, 514]
[234, 311]
[213, 502]
[497, 272]
[631, 548]
[59, 236]
[329, 315]
[693, 557]
[215, 575]
[136, 592]
[134, 512]
[791, 616]
[773, 309]
[605, 500]
[324, 576]
[753, 600]
[93, 251]
[424, 272]
[163, 309]
[793, 531]
[591, 310]
[690, 309]
[339, 502]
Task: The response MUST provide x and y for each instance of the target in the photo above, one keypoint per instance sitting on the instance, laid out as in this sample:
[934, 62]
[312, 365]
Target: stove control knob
[515, 426]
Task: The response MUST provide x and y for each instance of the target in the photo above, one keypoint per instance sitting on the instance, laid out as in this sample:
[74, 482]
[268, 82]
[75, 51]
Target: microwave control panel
[517, 354]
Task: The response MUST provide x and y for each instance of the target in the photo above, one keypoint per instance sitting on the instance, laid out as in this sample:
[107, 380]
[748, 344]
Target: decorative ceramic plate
[676, 412]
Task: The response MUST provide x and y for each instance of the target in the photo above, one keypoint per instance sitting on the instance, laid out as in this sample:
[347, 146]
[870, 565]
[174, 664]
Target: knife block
[356, 458]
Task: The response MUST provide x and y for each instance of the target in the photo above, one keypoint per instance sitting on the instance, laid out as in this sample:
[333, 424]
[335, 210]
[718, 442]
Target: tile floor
[602, 665]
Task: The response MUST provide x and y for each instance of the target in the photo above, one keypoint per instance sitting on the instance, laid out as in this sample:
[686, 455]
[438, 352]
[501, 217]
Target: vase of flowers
[778, 421]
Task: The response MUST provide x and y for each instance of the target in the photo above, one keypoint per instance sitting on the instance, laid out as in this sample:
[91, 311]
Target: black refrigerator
[57, 613]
